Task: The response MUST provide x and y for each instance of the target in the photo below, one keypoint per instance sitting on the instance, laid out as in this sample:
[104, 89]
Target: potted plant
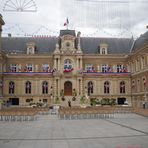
[74, 98]
[63, 99]
[62, 93]
[74, 93]
[93, 102]
[57, 100]
[83, 102]
[112, 101]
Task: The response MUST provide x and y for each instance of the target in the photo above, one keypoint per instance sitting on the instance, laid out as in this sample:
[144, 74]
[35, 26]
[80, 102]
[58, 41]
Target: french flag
[66, 23]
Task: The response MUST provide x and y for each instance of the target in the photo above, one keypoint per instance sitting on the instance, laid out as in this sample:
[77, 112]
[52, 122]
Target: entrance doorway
[121, 101]
[68, 88]
[14, 101]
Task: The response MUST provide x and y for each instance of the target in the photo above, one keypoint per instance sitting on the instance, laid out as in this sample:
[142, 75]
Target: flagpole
[67, 21]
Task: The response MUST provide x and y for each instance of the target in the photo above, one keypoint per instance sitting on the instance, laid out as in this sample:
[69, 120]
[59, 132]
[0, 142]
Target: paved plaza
[124, 131]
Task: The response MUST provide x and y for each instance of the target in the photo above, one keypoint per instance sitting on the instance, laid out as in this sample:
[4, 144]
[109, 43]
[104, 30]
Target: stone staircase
[73, 103]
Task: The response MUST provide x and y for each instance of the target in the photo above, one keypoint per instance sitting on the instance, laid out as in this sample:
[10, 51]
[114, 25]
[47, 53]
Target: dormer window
[103, 51]
[103, 48]
[30, 48]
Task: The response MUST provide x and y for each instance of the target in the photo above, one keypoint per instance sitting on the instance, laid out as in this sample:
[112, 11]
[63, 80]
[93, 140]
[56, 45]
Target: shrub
[112, 101]
[82, 100]
[73, 98]
[57, 100]
[63, 99]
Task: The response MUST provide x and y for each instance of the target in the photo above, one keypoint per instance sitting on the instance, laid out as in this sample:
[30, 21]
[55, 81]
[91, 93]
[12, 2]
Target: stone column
[57, 87]
[81, 66]
[59, 64]
[55, 66]
[77, 64]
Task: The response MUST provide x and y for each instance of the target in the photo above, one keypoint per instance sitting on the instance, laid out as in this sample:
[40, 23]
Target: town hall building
[71, 67]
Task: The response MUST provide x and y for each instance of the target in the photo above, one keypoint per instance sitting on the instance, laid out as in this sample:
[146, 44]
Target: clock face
[68, 47]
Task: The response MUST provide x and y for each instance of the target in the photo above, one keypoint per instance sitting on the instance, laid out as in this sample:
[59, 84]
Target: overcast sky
[109, 18]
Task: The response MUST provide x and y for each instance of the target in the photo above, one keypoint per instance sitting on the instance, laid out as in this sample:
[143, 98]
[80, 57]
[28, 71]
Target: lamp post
[51, 94]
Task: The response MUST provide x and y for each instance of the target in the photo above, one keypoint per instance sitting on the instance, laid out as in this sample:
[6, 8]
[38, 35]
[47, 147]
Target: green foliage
[82, 100]
[94, 101]
[107, 101]
[2, 102]
[62, 93]
[74, 93]
[57, 100]
[113, 101]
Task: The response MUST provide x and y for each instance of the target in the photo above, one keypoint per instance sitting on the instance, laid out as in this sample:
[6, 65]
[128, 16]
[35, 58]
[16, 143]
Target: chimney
[78, 36]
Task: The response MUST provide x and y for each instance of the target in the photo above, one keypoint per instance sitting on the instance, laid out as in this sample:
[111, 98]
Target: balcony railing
[107, 73]
[27, 73]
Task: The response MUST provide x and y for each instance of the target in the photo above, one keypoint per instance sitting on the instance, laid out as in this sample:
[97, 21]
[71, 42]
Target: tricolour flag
[66, 23]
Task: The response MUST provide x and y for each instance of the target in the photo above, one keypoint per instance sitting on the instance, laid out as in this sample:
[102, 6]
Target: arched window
[103, 51]
[68, 65]
[138, 85]
[122, 87]
[90, 88]
[28, 87]
[106, 87]
[11, 87]
[45, 87]
[144, 83]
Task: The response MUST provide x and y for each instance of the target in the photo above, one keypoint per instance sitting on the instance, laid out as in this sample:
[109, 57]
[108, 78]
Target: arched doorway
[68, 88]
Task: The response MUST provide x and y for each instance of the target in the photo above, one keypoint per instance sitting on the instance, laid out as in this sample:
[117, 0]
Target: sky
[94, 18]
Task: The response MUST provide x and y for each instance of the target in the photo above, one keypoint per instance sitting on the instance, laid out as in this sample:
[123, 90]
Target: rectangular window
[13, 68]
[29, 67]
[119, 68]
[104, 68]
[89, 67]
[45, 67]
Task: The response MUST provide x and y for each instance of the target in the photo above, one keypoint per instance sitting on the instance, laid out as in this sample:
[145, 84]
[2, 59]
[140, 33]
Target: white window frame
[29, 67]
[104, 68]
[45, 67]
[13, 67]
[88, 67]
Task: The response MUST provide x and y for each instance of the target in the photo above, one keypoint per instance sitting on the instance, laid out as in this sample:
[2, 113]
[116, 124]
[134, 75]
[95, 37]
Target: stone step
[73, 103]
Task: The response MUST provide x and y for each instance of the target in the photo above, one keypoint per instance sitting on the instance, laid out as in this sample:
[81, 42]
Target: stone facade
[69, 71]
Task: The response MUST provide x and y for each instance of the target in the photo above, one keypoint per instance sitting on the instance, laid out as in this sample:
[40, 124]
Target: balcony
[106, 73]
[27, 73]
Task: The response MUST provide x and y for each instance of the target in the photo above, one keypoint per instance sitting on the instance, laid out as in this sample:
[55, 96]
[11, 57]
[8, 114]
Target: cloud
[124, 15]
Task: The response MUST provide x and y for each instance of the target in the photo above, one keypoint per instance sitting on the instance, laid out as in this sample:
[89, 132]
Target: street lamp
[51, 91]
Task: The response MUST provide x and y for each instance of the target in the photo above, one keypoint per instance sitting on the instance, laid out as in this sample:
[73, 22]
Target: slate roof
[18, 44]
[115, 45]
[67, 32]
[1, 20]
[89, 45]
[140, 41]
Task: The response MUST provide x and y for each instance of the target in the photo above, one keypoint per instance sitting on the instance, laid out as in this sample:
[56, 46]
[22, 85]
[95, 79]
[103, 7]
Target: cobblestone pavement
[124, 131]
